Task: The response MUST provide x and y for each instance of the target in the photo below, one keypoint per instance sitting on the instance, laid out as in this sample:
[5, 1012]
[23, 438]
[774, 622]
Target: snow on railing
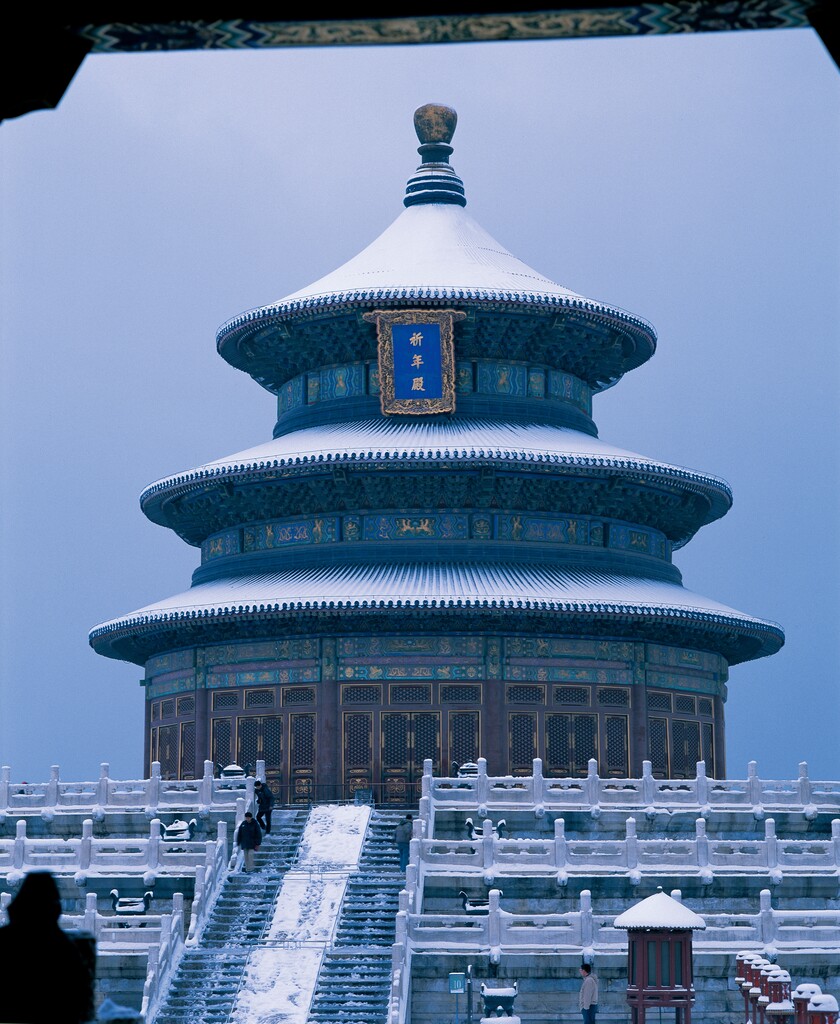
[151, 796]
[152, 856]
[492, 856]
[499, 931]
[209, 880]
[649, 795]
[398, 997]
[163, 962]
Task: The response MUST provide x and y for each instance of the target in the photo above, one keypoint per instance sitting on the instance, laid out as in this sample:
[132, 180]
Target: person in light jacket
[588, 995]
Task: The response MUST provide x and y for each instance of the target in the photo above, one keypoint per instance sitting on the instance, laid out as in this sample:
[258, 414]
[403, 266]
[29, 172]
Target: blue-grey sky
[692, 180]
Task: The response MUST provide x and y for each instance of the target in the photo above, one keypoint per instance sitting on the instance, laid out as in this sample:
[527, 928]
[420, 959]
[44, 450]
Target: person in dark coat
[265, 801]
[248, 838]
[402, 837]
[32, 945]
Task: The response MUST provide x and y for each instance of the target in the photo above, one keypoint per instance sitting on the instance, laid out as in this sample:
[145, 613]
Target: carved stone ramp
[355, 977]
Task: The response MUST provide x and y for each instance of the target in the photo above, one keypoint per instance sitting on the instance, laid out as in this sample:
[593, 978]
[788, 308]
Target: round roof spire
[435, 181]
[434, 122]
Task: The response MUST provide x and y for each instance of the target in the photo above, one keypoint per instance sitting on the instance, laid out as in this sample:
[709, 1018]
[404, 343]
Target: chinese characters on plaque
[416, 360]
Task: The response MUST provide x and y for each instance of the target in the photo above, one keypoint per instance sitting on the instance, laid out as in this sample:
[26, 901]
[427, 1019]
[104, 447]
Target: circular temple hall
[435, 556]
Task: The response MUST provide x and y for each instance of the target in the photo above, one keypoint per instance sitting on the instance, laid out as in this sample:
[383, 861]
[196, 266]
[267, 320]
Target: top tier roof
[434, 253]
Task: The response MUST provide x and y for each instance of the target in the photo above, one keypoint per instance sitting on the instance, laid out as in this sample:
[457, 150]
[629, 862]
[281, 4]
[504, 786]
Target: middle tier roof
[406, 444]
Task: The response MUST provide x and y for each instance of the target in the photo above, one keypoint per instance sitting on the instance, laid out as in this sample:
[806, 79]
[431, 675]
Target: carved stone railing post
[804, 783]
[249, 791]
[482, 786]
[426, 779]
[51, 795]
[648, 784]
[414, 852]
[411, 876]
[178, 914]
[90, 913]
[702, 843]
[593, 783]
[754, 784]
[222, 838]
[538, 795]
[401, 928]
[240, 811]
[153, 789]
[153, 847]
[702, 784]
[631, 844]
[5, 780]
[205, 793]
[559, 843]
[260, 770]
[805, 792]
[102, 784]
[86, 845]
[488, 844]
[835, 840]
[424, 812]
[494, 925]
[404, 900]
[767, 919]
[771, 843]
[586, 923]
[20, 844]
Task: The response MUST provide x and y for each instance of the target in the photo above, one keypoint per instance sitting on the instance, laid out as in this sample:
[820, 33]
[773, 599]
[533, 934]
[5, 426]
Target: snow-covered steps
[370, 906]
[209, 977]
[380, 852]
[352, 990]
[280, 979]
[204, 987]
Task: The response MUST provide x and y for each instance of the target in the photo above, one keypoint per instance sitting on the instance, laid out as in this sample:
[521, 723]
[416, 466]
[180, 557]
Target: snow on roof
[441, 584]
[438, 584]
[431, 250]
[454, 439]
[661, 912]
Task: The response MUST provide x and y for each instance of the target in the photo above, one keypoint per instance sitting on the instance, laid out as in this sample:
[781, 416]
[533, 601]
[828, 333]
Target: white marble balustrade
[701, 795]
[499, 931]
[150, 856]
[494, 857]
[106, 795]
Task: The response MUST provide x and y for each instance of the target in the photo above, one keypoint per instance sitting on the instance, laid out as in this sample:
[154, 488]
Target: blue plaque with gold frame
[416, 360]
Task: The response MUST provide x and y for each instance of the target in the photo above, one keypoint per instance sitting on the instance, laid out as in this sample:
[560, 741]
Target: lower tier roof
[570, 596]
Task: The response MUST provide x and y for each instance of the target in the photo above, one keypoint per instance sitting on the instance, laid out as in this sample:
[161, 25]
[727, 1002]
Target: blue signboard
[418, 369]
[416, 359]
[457, 984]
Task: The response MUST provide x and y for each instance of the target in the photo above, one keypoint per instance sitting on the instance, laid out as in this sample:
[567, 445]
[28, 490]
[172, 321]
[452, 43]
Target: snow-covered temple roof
[402, 440]
[440, 585]
[433, 253]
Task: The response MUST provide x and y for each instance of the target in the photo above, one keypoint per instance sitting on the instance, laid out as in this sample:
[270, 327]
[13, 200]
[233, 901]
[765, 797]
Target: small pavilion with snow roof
[659, 959]
[435, 556]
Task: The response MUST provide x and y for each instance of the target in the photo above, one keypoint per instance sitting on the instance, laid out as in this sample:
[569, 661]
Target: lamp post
[780, 1007]
[822, 1009]
[743, 964]
[801, 997]
[754, 977]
